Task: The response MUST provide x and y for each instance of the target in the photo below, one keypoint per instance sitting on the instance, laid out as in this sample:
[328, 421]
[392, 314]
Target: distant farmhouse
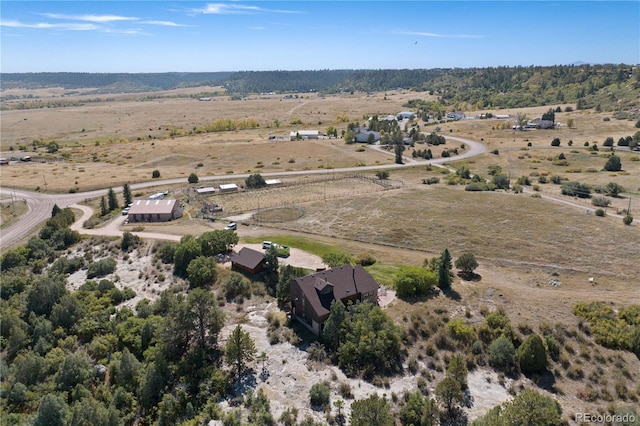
[456, 116]
[304, 135]
[311, 295]
[366, 136]
[539, 123]
[406, 115]
[155, 210]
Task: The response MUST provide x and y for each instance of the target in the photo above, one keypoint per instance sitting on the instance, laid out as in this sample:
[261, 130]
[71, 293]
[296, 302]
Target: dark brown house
[311, 295]
[248, 260]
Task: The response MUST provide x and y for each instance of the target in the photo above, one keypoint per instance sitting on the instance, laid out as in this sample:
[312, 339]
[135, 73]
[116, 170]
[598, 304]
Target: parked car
[282, 251]
[231, 227]
[125, 211]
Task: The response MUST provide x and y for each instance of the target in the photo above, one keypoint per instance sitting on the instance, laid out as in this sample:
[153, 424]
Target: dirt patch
[290, 375]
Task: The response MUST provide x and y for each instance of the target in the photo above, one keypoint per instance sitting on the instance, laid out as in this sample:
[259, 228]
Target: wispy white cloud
[163, 23]
[257, 28]
[101, 19]
[236, 9]
[129, 31]
[436, 35]
[47, 25]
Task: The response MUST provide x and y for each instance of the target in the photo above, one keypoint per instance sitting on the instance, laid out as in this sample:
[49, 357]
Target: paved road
[40, 205]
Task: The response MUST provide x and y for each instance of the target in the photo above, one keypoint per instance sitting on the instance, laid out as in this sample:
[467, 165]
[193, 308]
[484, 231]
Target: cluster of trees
[527, 408]
[55, 235]
[110, 203]
[363, 339]
[164, 361]
[422, 153]
[411, 281]
[193, 258]
[615, 329]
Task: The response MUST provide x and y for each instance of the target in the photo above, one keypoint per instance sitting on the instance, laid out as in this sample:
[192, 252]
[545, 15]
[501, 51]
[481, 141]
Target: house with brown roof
[248, 260]
[154, 210]
[311, 295]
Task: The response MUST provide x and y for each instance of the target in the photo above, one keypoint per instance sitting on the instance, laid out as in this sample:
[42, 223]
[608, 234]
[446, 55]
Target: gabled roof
[339, 283]
[363, 136]
[152, 206]
[247, 257]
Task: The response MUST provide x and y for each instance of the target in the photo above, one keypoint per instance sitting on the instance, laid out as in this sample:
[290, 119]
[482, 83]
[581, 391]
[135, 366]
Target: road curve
[40, 205]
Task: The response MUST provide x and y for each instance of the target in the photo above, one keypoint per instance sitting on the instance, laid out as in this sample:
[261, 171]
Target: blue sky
[184, 36]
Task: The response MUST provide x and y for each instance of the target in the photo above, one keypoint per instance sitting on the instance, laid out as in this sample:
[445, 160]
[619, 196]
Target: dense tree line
[492, 87]
[135, 82]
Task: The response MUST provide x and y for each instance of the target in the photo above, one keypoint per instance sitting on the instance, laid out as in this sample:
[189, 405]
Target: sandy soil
[291, 375]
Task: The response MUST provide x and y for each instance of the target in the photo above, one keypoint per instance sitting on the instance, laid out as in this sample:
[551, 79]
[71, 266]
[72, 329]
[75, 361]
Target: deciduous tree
[413, 281]
[202, 271]
[218, 241]
[255, 181]
[467, 263]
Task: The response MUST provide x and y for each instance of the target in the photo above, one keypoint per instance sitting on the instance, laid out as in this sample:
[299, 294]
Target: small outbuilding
[228, 187]
[248, 261]
[273, 182]
[206, 190]
[304, 135]
[154, 210]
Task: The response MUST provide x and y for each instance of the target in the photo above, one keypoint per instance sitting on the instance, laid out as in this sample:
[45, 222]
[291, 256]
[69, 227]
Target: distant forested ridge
[112, 82]
[492, 87]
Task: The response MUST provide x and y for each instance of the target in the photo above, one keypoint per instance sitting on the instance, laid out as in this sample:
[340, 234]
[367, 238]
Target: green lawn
[384, 273]
[302, 243]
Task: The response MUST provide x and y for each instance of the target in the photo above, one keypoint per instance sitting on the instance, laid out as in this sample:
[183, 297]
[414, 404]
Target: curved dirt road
[40, 205]
[297, 257]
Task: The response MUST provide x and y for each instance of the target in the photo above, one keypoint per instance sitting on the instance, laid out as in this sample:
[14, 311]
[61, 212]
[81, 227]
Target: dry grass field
[520, 241]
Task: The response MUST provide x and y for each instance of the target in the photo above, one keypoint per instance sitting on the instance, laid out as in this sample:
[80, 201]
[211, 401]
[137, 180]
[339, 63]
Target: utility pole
[629, 208]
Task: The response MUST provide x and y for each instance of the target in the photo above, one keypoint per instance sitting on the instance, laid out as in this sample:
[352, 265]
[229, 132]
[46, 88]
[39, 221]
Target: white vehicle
[266, 244]
[231, 227]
